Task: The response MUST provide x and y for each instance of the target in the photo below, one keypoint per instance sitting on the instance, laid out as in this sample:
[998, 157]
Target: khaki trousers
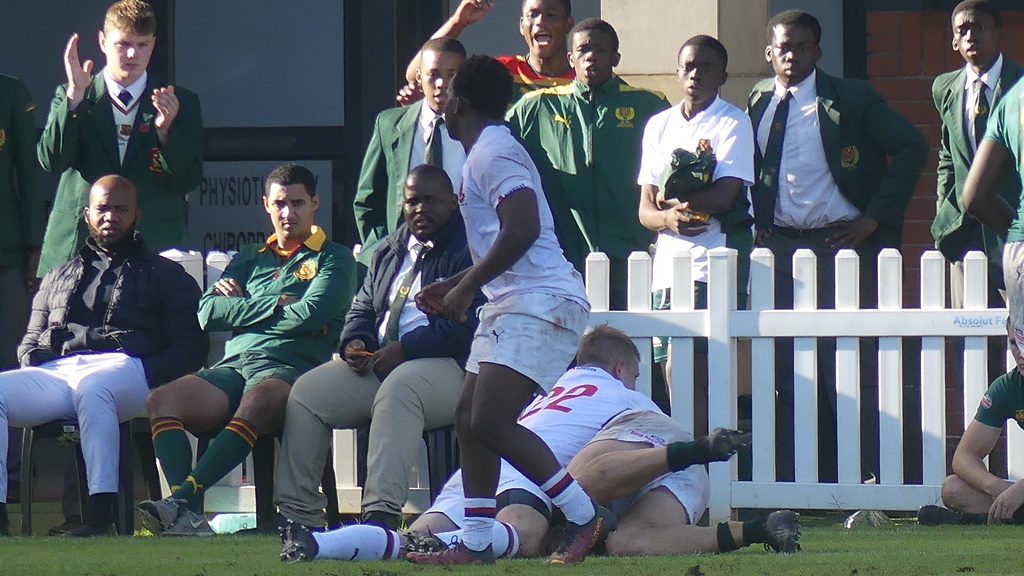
[418, 395]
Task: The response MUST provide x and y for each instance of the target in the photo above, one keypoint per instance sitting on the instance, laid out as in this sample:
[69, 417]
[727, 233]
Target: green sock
[682, 455]
[173, 449]
[226, 451]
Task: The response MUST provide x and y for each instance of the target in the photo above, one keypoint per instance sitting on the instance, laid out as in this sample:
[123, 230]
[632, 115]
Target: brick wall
[906, 51]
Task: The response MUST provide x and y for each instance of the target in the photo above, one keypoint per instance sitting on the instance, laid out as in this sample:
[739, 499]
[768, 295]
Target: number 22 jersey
[582, 401]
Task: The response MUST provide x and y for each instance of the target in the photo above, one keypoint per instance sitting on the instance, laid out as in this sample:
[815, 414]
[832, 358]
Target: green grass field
[902, 549]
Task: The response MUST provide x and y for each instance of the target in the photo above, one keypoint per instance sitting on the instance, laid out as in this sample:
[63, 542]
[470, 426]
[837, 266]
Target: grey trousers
[418, 395]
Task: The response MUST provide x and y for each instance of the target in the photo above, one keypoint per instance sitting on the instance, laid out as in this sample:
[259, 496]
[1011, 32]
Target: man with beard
[105, 328]
[122, 120]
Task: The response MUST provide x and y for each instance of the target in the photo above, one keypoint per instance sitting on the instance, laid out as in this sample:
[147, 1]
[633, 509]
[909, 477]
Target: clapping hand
[79, 73]
[166, 104]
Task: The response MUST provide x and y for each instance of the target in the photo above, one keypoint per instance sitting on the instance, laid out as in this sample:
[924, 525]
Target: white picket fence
[724, 326]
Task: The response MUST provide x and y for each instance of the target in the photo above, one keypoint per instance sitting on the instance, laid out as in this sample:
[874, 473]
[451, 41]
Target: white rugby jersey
[495, 167]
[582, 401]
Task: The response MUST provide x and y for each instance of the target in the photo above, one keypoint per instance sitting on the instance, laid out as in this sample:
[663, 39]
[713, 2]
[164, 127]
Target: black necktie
[125, 97]
[395, 310]
[433, 155]
[773, 147]
[980, 111]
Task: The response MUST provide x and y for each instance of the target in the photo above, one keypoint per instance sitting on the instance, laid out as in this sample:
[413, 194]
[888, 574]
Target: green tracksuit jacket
[586, 143]
[321, 275]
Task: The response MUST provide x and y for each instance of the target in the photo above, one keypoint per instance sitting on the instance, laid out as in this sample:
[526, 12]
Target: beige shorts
[690, 487]
[534, 334]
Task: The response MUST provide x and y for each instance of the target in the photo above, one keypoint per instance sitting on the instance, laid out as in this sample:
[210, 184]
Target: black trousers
[784, 242]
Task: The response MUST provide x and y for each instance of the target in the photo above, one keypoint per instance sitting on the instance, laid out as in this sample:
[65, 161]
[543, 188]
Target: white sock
[357, 542]
[479, 523]
[504, 539]
[570, 498]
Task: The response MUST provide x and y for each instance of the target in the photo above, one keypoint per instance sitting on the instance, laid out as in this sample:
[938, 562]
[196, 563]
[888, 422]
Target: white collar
[990, 77]
[426, 119]
[414, 245]
[804, 92]
[699, 116]
[135, 88]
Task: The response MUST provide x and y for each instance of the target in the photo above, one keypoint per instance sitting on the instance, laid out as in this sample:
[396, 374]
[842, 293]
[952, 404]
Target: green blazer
[858, 132]
[24, 215]
[82, 146]
[378, 202]
[952, 229]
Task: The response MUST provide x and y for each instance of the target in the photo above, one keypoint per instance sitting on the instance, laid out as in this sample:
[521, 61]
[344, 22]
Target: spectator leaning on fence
[965, 99]
[124, 121]
[543, 25]
[972, 493]
[585, 139]
[401, 370]
[106, 327]
[825, 183]
[284, 302]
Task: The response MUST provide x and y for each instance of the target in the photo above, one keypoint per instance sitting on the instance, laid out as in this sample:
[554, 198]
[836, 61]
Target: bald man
[106, 327]
[401, 370]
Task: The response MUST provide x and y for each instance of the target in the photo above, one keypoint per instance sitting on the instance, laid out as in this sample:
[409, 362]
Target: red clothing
[526, 79]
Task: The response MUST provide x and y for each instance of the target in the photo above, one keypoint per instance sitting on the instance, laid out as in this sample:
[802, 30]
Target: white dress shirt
[411, 316]
[808, 195]
[727, 128]
[124, 114]
[990, 78]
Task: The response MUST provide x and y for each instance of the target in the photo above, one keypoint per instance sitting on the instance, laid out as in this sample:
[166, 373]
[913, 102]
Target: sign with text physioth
[226, 211]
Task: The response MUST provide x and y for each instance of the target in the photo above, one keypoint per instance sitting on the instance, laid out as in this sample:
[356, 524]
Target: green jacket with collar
[377, 206]
[952, 228]
[320, 275]
[859, 132]
[81, 145]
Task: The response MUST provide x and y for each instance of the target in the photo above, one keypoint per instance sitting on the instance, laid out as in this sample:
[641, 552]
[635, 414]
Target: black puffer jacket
[151, 316]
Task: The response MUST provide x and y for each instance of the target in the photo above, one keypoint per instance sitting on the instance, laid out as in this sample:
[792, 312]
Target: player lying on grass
[627, 455]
